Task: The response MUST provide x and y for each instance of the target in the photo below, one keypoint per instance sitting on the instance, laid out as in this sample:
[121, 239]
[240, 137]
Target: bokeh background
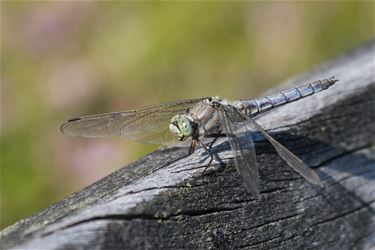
[65, 59]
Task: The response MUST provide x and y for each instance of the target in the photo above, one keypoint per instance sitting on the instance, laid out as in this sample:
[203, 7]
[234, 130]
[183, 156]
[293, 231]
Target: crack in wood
[160, 206]
[339, 216]
[343, 154]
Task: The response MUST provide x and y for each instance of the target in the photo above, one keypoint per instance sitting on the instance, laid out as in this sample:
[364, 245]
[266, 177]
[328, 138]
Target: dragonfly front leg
[193, 145]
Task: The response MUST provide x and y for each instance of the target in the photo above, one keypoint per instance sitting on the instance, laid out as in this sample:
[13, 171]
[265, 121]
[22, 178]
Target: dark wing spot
[74, 119]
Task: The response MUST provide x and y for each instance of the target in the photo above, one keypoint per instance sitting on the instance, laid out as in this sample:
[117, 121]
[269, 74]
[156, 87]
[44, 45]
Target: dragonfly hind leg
[209, 146]
[205, 147]
[192, 149]
[209, 153]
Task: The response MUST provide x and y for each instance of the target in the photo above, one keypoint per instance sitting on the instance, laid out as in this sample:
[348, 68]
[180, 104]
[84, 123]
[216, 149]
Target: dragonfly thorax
[181, 126]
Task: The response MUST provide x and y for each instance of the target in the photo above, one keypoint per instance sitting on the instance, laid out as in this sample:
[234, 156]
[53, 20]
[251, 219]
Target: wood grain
[166, 201]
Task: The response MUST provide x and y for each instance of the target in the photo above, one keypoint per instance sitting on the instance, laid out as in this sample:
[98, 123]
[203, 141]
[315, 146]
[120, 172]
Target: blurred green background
[65, 59]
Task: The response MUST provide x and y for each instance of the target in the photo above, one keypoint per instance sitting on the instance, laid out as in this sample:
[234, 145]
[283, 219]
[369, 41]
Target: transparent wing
[149, 125]
[293, 161]
[242, 146]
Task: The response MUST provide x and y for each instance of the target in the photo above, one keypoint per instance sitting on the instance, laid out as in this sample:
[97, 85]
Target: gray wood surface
[166, 201]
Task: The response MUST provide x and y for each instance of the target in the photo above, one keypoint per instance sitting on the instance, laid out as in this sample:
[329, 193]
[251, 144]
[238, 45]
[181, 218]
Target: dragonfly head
[181, 126]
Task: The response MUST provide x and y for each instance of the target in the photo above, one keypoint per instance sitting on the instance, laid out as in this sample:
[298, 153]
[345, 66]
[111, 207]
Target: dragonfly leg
[192, 146]
[215, 136]
[210, 154]
[212, 143]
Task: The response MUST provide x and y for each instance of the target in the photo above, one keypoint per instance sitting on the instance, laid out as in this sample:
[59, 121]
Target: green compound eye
[181, 126]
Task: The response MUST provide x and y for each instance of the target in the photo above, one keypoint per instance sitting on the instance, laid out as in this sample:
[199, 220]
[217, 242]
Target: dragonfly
[194, 121]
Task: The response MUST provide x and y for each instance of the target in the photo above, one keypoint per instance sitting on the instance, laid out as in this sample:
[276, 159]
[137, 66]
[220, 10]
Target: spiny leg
[209, 145]
[192, 146]
[210, 154]
[192, 149]
[206, 148]
[215, 136]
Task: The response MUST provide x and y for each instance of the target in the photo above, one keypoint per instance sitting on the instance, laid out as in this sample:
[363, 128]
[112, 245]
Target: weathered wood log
[166, 201]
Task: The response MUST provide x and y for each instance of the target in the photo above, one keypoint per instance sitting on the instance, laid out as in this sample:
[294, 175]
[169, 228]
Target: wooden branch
[166, 201]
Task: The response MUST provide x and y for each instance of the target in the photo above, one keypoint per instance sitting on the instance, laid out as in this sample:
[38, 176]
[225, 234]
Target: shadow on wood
[165, 200]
